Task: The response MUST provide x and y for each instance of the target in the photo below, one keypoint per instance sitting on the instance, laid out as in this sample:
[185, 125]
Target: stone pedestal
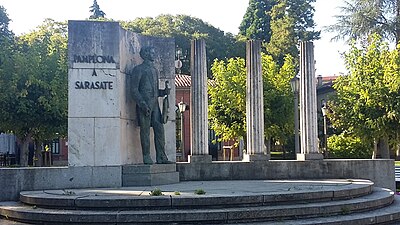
[256, 157]
[309, 156]
[200, 158]
[149, 175]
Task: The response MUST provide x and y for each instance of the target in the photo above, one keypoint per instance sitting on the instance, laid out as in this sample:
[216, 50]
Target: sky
[226, 15]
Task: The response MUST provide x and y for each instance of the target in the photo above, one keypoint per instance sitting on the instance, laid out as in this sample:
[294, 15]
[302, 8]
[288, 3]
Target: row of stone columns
[256, 150]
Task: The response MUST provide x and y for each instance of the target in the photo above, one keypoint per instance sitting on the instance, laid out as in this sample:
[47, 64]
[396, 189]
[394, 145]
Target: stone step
[379, 198]
[139, 197]
[386, 215]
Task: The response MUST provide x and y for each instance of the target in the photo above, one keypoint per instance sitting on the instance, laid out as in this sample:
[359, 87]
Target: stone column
[254, 104]
[199, 104]
[308, 104]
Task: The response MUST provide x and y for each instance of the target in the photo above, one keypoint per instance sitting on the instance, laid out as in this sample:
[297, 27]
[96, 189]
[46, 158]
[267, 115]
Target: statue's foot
[164, 162]
[147, 159]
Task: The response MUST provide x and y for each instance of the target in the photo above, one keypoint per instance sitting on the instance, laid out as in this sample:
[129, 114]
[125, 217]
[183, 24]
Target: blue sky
[224, 14]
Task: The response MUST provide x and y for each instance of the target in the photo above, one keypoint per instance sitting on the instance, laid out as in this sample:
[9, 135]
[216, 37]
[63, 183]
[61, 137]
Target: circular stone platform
[226, 193]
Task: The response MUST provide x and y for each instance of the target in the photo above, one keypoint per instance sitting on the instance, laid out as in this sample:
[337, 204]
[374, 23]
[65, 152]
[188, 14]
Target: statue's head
[148, 53]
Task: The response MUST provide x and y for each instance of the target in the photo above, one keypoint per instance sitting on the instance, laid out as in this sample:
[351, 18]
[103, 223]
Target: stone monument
[103, 125]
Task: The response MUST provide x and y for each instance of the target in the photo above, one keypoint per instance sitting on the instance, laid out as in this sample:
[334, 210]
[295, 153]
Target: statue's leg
[159, 136]
[144, 122]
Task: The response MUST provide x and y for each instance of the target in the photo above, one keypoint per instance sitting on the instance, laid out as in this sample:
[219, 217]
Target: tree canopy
[280, 24]
[361, 18]
[34, 88]
[183, 28]
[367, 104]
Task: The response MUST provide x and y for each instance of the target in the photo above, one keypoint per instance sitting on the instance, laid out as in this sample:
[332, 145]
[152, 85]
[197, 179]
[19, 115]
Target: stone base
[149, 175]
[256, 157]
[309, 156]
[200, 159]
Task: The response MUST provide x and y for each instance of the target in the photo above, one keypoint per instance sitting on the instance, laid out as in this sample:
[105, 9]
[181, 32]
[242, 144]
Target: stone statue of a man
[146, 93]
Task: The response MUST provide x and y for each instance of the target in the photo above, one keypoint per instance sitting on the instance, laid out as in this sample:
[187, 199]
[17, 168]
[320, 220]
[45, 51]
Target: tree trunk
[267, 142]
[383, 148]
[38, 157]
[25, 150]
[375, 152]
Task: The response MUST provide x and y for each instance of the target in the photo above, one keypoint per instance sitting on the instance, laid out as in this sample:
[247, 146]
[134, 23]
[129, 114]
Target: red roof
[182, 80]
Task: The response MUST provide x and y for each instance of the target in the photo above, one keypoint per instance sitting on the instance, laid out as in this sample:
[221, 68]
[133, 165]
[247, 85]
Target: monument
[144, 84]
[117, 81]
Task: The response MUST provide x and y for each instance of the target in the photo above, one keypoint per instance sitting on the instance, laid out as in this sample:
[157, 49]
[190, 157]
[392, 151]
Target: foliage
[302, 13]
[280, 24]
[184, 28]
[227, 106]
[34, 90]
[256, 21]
[156, 192]
[199, 192]
[283, 38]
[7, 49]
[367, 104]
[278, 98]
[349, 147]
[96, 11]
[361, 18]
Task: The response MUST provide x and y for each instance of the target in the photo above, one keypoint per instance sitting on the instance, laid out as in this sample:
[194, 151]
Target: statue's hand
[167, 88]
[147, 111]
[145, 108]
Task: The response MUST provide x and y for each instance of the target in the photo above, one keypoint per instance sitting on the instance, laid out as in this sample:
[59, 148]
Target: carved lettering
[94, 85]
[93, 59]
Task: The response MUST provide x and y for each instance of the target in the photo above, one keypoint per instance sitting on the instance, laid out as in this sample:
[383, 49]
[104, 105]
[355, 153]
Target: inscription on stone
[93, 59]
[93, 85]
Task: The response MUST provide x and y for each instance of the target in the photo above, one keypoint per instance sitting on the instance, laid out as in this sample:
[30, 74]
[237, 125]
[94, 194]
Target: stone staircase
[225, 202]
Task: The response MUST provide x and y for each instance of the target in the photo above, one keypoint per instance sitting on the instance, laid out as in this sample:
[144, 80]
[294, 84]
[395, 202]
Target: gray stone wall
[380, 171]
[14, 180]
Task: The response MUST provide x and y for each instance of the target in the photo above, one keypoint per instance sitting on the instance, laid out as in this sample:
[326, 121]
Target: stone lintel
[200, 159]
[256, 157]
[309, 156]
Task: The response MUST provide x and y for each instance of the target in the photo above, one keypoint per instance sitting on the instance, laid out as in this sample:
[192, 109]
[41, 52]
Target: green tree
[185, 28]
[280, 24]
[257, 19]
[283, 39]
[361, 18]
[278, 99]
[34, 95]
[227, 106]
[302, 13]
[97, 13]
[366, 103]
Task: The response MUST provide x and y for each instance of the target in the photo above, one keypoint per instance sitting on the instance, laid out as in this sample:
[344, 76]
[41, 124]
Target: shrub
[349, 147]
